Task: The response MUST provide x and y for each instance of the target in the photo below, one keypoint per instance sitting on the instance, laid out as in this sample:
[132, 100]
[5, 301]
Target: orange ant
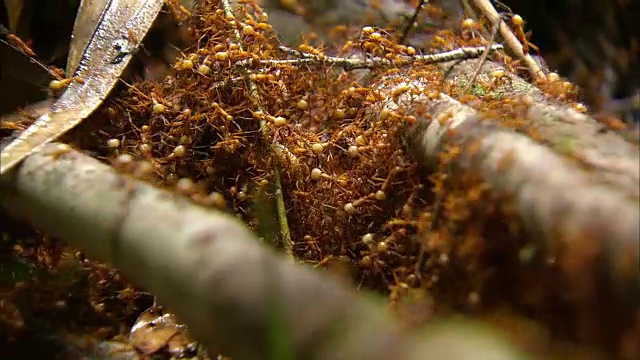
[517, 26]
[21, 45]
[57, 85]
[518, 29]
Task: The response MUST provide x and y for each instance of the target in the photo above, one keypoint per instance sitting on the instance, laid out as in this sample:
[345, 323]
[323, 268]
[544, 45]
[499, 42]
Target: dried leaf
[22, 78]
[90, 14]
[155, 331]
[14, 11]
[116, 38]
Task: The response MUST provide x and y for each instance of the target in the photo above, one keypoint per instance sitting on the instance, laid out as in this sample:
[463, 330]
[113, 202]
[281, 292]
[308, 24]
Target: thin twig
[26, 51]
[371, 62]
[468, 10]
[510, 40]
[253, 90]
[485, 55]
[407, 28]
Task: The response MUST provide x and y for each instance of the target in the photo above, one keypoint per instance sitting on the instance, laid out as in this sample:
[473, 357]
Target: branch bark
[612, 159]
[555, 197]
[212, 272]
[598, 196]
[584, 214]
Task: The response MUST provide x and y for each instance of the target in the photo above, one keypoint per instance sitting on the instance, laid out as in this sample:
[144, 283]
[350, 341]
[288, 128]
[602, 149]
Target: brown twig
[510, 40]
[411, 22]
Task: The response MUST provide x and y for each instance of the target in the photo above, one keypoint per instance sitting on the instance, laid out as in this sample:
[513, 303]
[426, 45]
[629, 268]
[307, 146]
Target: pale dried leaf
[89, 15]
[120, 32]
[155, 330]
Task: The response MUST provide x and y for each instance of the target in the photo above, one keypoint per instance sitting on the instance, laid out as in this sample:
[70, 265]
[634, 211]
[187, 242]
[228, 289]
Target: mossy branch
[581, 217]
[553, 193]
[211, 270]
[612, 158]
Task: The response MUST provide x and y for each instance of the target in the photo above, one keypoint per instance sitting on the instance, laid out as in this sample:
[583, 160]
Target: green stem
[253, 90]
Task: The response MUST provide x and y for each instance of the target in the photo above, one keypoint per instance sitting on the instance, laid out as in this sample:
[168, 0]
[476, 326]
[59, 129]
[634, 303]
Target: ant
[127, 45]
[516, 24]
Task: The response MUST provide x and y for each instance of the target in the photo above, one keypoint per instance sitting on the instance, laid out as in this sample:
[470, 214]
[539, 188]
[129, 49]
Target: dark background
[596, 44]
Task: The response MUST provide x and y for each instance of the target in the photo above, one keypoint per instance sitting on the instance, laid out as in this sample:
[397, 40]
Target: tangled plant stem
[285, 240]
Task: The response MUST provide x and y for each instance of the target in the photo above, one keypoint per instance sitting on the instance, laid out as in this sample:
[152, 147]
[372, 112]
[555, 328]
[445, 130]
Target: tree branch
[612, 158]
[567, 207]
[210, 269]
